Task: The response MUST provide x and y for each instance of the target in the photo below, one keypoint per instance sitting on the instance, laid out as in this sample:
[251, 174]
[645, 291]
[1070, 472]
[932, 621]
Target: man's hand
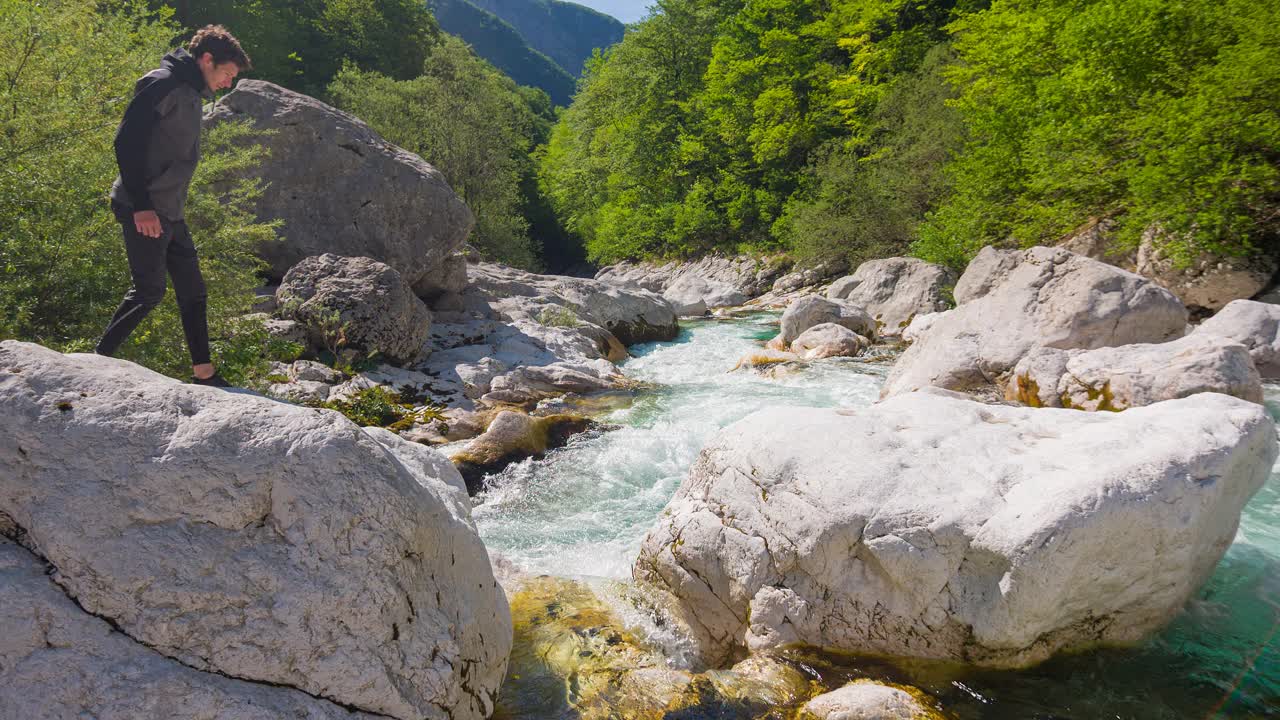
[148, 223]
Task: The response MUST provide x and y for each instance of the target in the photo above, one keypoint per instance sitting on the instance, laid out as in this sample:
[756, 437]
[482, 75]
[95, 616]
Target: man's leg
[188, 285]
[147, 266]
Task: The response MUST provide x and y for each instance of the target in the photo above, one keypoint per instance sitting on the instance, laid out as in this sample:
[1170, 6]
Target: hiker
[157, 149]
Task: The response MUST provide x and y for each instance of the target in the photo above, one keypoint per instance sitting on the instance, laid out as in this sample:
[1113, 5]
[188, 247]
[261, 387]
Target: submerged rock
[934, 526]
[574, 656]
[251, 538]
[1047, 298]
[1119, 378]
[895, 290]
[512, 437]
[866, 700]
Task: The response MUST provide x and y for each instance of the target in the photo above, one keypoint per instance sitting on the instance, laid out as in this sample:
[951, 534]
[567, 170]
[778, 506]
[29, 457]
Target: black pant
[149, 259]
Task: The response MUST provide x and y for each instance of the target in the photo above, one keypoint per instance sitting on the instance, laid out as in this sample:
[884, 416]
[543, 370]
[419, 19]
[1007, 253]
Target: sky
[628, 11]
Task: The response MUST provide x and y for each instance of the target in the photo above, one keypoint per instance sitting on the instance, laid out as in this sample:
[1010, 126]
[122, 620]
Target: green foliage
[558, 316]
[302, 45]
[723, 125]
[62, 262]
[865, 200]
[381, 407]
[1148, 111]
[469, 121]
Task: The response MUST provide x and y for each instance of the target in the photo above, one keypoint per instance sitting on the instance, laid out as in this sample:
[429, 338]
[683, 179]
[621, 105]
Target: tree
[468, 120]
[1149, 112]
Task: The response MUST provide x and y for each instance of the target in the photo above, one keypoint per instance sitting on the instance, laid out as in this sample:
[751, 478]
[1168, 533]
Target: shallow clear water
[584, 510]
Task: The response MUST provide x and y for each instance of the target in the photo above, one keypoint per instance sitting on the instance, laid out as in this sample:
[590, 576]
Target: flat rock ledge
[244, 538]
[934, 526]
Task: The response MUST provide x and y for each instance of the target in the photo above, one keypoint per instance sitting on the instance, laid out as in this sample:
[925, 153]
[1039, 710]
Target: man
[157, 149]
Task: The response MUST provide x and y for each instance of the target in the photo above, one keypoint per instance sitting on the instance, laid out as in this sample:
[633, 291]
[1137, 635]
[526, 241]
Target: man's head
[219, 56]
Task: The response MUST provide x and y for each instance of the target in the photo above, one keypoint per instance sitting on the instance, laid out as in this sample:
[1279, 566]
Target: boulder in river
[868, 700]
[930, 525]
[322, 565]
[812, 310]
[1118, 378]
[1255, 325]
[340, 188]
[895, 290]
[829, 340]
[1041, 298]
[511, 437]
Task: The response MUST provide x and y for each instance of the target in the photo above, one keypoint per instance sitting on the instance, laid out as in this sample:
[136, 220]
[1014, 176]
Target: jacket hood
[184, 67]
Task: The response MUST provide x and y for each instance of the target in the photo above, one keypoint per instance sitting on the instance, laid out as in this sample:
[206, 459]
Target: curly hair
[222, 45]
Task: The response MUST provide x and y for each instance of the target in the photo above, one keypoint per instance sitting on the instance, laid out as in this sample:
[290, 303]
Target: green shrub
[381, 407]
[69, 68]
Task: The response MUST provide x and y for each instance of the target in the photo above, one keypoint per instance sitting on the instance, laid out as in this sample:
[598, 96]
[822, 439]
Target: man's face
[217, 76]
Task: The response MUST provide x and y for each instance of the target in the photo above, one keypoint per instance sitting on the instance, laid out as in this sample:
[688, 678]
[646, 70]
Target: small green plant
[381, 407]
[558, 316]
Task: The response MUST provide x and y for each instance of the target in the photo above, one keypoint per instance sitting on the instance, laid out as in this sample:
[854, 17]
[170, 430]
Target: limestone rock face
[693, 295]
[895, 290]
[1210, 282]
[930, 525]
[986, 271]
[829, 340]
[866, 700]
[1118, 378]
[376, 309]
[812, 310]
[808, 276]
[920, 325]
[1048, 298]
[750, 276]
[340, 188]
[1255, 325]
[633, 316]
[250, 538]
[58, 661]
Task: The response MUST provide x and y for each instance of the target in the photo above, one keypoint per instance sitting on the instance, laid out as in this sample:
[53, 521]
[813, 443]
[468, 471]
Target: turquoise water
[584, 510]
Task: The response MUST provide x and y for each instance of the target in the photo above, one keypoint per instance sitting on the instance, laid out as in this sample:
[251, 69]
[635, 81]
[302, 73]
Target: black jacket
[158, 142]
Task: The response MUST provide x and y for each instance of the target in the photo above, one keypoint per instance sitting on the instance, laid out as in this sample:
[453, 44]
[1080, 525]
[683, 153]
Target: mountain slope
[499, 43]
[565, 32]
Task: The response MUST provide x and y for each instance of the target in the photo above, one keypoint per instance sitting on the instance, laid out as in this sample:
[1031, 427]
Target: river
[583, 510]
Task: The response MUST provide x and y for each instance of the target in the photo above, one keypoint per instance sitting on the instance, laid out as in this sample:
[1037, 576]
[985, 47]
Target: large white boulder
[812, 310]
[895, 290]
[1118, 378]
[1048, 298]
[1256, 325]
[935, 526]
[340, 188]
[246, 537]
[58, 661]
